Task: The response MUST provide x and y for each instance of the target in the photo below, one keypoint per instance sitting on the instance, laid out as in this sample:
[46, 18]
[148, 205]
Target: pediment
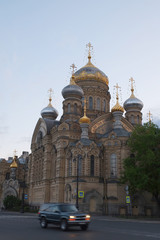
[104, 124]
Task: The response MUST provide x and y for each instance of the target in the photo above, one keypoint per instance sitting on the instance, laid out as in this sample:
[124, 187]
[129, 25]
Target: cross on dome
[15, 152]
[90, 47]
[132, 81]
[50, 91]
[73, 66]
[117, 95]
[149, 116]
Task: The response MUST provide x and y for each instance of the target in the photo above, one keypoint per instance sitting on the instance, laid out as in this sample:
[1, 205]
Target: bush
[11, 202]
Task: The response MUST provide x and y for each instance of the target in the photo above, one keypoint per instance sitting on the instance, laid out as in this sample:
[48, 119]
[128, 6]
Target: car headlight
[72, 217]
[88, 216]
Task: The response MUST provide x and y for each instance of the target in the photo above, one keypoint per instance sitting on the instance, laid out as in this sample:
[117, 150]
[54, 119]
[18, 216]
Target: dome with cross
[89, 71]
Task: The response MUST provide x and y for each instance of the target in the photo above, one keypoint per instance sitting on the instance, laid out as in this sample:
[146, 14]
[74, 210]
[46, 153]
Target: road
[26, 227]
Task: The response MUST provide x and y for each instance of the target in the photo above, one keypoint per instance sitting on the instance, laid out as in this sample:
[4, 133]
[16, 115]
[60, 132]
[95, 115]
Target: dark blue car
[64, 215]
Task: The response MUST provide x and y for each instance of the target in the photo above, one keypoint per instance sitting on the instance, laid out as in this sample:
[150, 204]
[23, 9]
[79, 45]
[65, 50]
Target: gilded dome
[13, 164]
[117, 107]
[89, 71]
[84, 119]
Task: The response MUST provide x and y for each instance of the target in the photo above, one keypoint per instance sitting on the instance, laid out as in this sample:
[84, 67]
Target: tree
[142, 167]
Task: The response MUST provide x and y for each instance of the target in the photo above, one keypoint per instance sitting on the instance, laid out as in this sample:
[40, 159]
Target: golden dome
[14, 164]
[89, 71]
[84, 119]
[117, 107]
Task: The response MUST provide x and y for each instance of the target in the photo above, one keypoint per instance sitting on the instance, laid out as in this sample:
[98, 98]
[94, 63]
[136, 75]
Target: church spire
[72, 80]
[90, 47]
[149, 117]
[117, 107]
[50, 91]
[132, 88]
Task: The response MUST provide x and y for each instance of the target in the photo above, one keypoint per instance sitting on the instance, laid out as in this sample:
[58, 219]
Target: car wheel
[84, 227]
[63, 225]
[43, 222]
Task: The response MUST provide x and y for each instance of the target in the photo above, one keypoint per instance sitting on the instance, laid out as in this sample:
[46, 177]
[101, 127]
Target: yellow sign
[128, 199]
[81, 194]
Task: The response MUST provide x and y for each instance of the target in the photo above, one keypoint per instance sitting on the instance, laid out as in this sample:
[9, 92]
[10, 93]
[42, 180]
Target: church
[79, 158]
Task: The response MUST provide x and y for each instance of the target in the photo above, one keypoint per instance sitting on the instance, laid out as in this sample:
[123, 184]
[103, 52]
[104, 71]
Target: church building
[79, 158]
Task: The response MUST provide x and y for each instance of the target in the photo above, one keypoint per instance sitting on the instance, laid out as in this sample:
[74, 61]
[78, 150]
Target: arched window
[104, 105]
[79, 165]
[98, 104]
[92, 165]
[39, 137]
[90, 103]
[75, 108]
[69, 108]
[70, 167]
[7, 176]
[132, 119]
[113, 165]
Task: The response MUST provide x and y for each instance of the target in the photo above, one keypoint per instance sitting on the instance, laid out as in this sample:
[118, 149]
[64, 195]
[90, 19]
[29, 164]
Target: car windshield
[68, 208]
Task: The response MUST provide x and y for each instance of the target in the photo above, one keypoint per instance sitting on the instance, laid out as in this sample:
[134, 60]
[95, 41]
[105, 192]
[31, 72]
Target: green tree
[11, 202]
[142, 167]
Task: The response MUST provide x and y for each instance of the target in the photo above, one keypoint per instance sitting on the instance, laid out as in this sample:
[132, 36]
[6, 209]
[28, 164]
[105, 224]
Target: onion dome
[14, 164]
[132, 101]
[84, 119]
[72, 89]
[117, 106]
[49, 111]
[89, 71]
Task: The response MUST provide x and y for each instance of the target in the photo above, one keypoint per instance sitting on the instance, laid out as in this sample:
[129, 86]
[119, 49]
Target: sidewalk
[140, 219]
[4, 212]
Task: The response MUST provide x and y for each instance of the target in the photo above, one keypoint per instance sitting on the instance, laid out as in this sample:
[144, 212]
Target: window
[98, 104]
[7, 176]
[113, 165]
[90, 103]
[79, 165]
[132, 119]
[104, 105]
[70, 167]
[138, 119]
[39, 137]
[75, 108]
[69, 108]
[92, 165]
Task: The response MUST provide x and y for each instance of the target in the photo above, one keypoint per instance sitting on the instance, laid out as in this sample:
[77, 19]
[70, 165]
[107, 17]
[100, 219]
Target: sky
[39, 41]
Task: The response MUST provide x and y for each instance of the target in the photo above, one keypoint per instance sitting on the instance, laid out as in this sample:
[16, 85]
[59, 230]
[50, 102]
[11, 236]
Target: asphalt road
[26, 227]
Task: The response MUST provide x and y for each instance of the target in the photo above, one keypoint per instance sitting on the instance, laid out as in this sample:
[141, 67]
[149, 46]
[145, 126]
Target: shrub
[11, 202]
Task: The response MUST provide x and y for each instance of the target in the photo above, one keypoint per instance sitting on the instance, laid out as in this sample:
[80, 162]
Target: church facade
[85, 148]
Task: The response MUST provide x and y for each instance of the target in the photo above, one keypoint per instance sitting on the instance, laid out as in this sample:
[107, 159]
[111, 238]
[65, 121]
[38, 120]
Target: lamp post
[77, 179]
[77, 206]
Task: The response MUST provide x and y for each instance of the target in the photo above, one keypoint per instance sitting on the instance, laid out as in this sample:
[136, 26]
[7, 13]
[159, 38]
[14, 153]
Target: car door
[55, 214]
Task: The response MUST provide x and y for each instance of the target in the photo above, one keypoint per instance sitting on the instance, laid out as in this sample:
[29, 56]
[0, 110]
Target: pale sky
[40, 39]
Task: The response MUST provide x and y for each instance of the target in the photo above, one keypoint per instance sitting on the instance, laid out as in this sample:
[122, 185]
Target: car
[62, 214]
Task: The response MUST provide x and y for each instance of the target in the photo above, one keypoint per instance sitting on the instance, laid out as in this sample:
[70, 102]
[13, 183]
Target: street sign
[128, 199]
[81, 194]
[25, 196]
